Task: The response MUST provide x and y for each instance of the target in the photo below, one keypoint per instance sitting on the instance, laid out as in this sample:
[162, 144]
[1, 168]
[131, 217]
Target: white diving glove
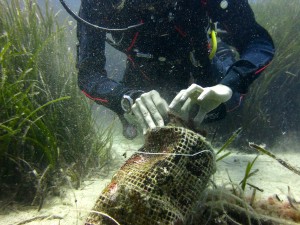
[207, 99]
[150, 110]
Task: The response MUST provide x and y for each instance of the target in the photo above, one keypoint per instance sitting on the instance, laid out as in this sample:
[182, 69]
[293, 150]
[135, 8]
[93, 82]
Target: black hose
[80, 20]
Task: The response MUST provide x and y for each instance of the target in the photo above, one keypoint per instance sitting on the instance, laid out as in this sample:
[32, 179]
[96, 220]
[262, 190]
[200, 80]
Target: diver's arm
[148, 109]
[252, 41]
[92, 76]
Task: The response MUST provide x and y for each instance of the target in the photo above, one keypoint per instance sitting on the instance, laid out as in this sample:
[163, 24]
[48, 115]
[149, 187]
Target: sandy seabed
[73, 206]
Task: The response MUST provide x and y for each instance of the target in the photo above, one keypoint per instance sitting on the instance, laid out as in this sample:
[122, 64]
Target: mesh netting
[161, 183]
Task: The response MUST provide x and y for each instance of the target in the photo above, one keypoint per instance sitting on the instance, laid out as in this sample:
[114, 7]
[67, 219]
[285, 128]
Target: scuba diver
[172, 62]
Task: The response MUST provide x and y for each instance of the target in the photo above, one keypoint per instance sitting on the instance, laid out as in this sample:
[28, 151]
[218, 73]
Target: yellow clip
[213, 42]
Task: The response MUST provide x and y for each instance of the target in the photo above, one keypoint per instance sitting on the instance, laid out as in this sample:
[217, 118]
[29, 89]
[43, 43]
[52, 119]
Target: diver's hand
[207, 99]
[150, 110]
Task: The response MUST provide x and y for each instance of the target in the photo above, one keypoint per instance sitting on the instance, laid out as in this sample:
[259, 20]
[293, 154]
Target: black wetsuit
[159, 52]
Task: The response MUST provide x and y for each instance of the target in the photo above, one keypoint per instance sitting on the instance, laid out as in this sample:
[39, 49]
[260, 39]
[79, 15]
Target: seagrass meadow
[275, 97]
[47, 132]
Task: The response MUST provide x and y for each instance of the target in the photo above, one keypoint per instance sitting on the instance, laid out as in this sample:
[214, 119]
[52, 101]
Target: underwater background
[54, 141]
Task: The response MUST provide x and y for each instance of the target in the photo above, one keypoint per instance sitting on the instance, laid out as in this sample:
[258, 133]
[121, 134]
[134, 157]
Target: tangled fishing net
[161, 183]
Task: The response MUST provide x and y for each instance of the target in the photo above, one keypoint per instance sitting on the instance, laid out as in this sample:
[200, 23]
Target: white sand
[272, 177]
